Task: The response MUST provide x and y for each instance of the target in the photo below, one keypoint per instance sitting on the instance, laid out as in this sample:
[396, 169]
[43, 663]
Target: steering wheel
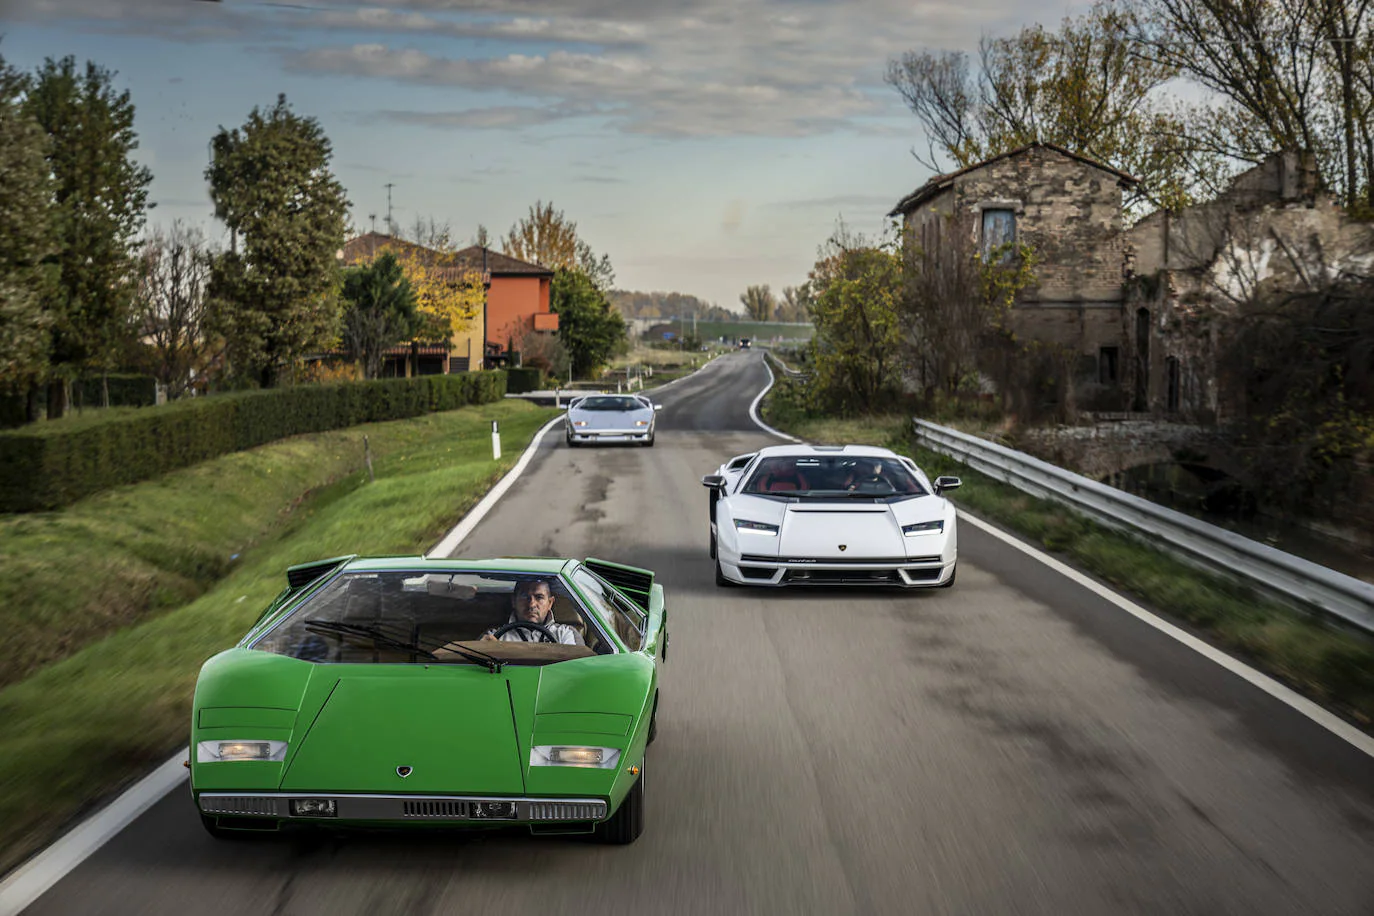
[539, 628]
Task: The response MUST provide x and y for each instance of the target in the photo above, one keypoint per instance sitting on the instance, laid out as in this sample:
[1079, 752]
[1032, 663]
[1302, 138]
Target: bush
[523, 379]
[125, 391]
[58, 463]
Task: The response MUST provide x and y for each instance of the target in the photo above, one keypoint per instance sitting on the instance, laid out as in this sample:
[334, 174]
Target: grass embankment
[83, 726]
[1332, 665]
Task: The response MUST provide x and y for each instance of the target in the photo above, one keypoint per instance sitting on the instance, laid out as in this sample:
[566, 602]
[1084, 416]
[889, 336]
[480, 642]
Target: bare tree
[430, 233]
[170, 308]
[758, 302]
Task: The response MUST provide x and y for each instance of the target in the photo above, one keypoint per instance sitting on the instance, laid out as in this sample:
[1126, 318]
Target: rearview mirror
[714, 481]
[658, 407]
[946, 483]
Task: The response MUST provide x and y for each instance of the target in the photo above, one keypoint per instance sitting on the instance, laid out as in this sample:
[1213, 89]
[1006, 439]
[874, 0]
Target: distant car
[744, 343]
[831, 515]
[598, 418]
[365, 696]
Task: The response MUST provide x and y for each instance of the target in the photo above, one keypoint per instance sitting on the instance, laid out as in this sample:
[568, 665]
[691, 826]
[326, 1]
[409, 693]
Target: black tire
[952, 573]
[653, 722]
[625, 826]
[720, 577]
[649, 442]
[713, 547]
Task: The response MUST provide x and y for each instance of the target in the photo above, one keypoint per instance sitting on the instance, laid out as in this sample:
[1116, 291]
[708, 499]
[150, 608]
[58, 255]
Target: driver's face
[532, 603]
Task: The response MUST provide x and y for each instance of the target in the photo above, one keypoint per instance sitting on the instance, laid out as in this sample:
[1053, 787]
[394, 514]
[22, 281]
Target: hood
[814, 529]
[608, 419]
[453, 727]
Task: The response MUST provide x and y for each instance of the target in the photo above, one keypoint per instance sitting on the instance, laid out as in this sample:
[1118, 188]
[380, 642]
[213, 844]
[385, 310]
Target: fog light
[493, 810]
[313, 807]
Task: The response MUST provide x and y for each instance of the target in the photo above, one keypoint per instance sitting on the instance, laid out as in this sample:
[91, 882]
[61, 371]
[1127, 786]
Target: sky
[704, 145]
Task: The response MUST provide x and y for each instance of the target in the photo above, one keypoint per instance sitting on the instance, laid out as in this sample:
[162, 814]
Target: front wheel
[720, 577]
[713, 546]
[625, 826]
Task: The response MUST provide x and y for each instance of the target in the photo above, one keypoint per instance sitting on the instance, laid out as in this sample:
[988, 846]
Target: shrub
[55, 464]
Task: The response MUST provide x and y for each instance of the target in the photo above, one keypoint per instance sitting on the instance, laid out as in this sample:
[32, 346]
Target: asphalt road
[1013, 745]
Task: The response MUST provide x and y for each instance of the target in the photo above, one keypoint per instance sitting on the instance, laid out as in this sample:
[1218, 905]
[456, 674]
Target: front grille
[241, 804]
[566, 811]
[840, 561]
[757, 572]
[437, 808]
[835, 576]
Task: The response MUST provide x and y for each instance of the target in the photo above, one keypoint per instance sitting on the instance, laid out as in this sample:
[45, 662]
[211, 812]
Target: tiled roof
[941, 182]
[365, 247]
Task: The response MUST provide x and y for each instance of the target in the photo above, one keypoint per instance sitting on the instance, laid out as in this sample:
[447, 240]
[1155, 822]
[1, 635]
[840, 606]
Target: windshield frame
[297, 604]
[892, 463]
[638, 404]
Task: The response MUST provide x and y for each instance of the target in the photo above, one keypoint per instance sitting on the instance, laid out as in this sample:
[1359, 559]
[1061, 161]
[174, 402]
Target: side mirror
[658, 407]
[713, 481]
[946, 483]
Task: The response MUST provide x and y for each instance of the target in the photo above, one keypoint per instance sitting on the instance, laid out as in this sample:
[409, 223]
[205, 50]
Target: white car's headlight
[579, 422]
[224, 751]
[756, 527]
[934, 527]
[641, 422]
[567, 755]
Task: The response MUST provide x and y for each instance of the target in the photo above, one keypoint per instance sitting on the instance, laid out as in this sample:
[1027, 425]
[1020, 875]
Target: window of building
[999, 231]
[1107, 360]
[1174, 381]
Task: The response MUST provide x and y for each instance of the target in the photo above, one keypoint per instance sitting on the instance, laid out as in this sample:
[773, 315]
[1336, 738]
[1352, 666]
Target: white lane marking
[754, 407]
[1291, 698]
[479, 511]
[31, 880]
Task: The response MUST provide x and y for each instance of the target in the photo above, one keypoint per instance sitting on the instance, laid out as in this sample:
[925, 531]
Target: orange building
[517, 300]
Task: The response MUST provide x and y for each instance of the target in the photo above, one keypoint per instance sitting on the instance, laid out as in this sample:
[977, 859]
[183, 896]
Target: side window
[622, 616]
[999, 229]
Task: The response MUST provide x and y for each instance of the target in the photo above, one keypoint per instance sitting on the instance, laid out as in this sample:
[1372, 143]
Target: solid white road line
[1286, 695]
[32, 879]
[754, 407]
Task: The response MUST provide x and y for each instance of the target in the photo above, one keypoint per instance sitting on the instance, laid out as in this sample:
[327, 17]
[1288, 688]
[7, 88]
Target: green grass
[88, 724]
[1330, 664]
[758, 331]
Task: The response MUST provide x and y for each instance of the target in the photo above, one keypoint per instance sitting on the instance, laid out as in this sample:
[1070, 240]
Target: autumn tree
[100, 195]
[1082, 88]
[28, 238]
[758, 302]
[449, 293]
[794, 304]
[379, 312]
[170, 308]
[275, 291]
[548, 238]
[589, 327]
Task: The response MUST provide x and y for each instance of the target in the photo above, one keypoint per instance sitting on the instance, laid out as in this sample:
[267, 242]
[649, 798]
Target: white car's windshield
[610, 403]
[832, 476]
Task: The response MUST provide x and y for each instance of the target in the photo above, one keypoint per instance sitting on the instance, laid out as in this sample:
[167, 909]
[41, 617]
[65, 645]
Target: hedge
[50, 465]
[125, 391]
[523, 379]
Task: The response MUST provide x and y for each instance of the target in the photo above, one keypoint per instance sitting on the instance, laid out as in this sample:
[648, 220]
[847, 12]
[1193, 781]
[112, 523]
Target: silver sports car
[831, 515]
[611, 418]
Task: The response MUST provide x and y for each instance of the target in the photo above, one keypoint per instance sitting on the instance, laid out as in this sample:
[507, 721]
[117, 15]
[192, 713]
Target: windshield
[427, 617]
[844, 476]
[610, 403]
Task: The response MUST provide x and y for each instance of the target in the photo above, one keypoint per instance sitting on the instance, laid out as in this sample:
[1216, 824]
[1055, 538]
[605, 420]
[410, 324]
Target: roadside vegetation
[187, 563]
[1333, 665]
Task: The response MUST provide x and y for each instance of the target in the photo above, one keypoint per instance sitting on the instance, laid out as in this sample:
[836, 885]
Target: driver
[869, 477]
[532, 602]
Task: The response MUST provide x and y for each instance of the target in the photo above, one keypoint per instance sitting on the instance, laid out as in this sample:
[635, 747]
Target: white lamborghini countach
[831, 515]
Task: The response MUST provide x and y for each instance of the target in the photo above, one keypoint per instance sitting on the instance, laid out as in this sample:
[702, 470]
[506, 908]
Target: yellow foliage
[448, 294]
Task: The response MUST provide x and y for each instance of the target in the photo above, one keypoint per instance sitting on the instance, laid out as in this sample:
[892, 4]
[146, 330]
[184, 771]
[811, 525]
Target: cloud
[503, 117]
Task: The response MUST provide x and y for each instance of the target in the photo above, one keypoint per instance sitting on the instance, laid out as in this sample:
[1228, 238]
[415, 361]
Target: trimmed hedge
[125, 391]
[523, 379]
[52, 465]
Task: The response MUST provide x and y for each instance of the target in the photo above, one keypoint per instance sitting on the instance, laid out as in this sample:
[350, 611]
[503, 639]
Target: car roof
[547, 566]
[795, 451]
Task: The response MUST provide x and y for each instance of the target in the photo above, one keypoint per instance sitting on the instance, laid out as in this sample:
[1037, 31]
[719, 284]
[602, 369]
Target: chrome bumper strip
[404, 807]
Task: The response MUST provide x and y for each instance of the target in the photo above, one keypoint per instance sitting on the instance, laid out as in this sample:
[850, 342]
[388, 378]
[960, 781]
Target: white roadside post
[495, 442]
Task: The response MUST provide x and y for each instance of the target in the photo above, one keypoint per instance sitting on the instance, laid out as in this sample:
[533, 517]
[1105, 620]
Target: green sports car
[400, 691]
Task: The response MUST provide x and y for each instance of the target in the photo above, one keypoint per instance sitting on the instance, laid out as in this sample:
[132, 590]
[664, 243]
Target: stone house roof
[942, 182]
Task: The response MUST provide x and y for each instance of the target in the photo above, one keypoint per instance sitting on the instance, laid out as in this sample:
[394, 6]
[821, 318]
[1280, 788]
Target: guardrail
[1289, 578]
[785, 369]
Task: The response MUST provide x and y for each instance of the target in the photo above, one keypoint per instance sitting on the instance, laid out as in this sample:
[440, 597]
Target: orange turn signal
[634, 771]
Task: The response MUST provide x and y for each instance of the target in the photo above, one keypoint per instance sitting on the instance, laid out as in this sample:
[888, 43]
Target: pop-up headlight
[934, 527]
[563, 755]
[748, 527]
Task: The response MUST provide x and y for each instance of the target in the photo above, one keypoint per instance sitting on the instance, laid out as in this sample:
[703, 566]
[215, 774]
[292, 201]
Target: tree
[591, 330]
[546, 237]
[379, 311]
[100, 194]
[795, 303]
[858, 332]
[429, 233]
[276, 298]
[482, 238]
[170, 308]
[542, 350]
[28, 238]
[1082, 88]
[758, 302]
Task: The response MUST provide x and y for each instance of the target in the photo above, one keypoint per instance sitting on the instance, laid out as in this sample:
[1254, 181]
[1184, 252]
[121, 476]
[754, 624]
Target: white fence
[1209, 547]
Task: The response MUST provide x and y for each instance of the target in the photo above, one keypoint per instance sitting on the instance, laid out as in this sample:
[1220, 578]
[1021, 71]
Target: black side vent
[631, 580]
[303, 574]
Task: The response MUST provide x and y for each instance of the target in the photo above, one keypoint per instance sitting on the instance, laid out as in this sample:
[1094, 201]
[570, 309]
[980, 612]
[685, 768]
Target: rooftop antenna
[390, 227]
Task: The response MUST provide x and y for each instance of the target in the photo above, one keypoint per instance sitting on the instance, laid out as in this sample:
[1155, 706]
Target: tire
[653, 723]
[625, 826]
[569, 439]
[952, 573]
[649, 442]
[720, 577]
[713, 547]
[220, 833]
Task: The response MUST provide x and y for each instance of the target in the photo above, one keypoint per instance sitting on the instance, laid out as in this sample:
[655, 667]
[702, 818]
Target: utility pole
[390, 227]
[373, 218]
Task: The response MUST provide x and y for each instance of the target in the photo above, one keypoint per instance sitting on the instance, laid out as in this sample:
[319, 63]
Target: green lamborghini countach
[403, 691]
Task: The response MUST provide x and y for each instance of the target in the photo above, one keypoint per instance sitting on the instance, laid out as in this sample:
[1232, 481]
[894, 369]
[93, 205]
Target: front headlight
[756, 527]
[641, 422]
[934, 527]
[579, 422]
[566, 755]
[225, 751]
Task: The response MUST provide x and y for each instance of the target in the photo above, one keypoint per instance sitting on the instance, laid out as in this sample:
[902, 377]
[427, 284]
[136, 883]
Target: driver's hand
[487, 637]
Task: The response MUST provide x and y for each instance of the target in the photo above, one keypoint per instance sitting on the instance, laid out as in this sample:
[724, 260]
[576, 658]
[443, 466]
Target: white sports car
[610, 418]
[831, 515]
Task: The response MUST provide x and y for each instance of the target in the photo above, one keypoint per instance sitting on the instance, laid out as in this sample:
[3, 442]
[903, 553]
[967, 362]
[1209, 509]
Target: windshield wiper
[494, 664]
[377, 634]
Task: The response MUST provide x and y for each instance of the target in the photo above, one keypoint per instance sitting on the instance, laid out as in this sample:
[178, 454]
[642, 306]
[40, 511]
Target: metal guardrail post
[1209, 547]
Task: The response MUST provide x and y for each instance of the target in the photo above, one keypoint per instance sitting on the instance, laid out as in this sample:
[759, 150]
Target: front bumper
[267, 810]
[902, 572]
[583, 434]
